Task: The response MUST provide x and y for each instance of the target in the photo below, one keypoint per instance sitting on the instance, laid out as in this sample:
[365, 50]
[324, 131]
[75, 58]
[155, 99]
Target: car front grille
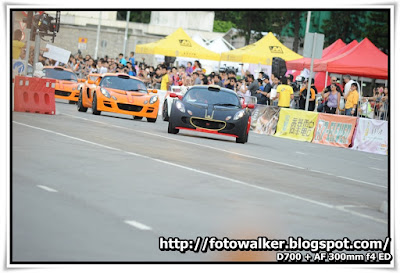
[208, 124]
[62, 93]
[130, 107]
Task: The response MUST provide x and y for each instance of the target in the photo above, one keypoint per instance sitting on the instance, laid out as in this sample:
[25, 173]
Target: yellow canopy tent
[261, 52]
[178, 44]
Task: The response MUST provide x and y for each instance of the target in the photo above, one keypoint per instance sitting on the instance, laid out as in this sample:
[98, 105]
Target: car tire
[171, 129]
[243, 139]
[165, 116]
[79, 105]
[94, 106]
[152, 120]
[137, 118]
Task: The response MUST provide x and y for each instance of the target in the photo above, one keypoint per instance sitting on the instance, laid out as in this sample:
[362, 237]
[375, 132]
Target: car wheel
[171, 129]
[79, 105]
[243, 138]
[152, 120]
[94, 105]
[165, 111]
[137, 118]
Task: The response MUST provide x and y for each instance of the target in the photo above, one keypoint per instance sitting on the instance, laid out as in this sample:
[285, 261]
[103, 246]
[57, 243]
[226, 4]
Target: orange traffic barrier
[34, 95]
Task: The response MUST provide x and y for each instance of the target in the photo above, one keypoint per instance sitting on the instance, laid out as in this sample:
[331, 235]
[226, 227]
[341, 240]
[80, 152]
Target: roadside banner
[266, 123]
[334, 130]
[296, 124]
[371, 136]
[257, 112]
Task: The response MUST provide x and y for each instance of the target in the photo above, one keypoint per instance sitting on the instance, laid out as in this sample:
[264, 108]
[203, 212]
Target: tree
[377, 29]
[347, 25]
[137, 16]
[223, 26]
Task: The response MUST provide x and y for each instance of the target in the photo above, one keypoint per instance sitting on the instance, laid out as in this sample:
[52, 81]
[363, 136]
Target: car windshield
[205, 96]
[60, 74]
[123, 83]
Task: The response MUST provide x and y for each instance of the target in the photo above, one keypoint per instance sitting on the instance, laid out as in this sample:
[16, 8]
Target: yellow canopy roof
[261, 52]
[178, 44]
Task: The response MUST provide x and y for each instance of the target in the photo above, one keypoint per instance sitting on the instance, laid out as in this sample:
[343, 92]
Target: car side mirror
[250, 106]
[173, 95]
[81, 80]
[90, 82]
[154, 91]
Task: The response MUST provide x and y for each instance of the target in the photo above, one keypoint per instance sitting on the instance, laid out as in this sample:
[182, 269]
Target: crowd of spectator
[268, 90]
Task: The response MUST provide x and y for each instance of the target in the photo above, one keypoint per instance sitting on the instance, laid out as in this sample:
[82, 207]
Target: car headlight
[105, 92]
[238, 115]
[153, 99]
[180, 106]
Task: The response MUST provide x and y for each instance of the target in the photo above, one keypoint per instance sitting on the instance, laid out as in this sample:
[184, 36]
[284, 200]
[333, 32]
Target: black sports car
[211, 109]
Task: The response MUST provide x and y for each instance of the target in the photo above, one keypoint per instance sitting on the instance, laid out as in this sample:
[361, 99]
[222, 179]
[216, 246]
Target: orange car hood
[131, 93]
[65, 84]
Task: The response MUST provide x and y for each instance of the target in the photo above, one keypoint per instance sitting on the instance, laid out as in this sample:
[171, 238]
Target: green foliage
[377, 29]
[137, 16]
[347, 25]
[223, 26]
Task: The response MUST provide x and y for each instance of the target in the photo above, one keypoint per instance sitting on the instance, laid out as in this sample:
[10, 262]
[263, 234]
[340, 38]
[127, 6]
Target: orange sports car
[119, 93]
[67, 83]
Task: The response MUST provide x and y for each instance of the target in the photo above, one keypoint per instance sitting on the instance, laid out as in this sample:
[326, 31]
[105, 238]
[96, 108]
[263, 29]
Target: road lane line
[137, 225]
[379, 159]
[382, 170]
[46, 188]
[208, 174]
[300, 153]
[222, 150]
[363, 182]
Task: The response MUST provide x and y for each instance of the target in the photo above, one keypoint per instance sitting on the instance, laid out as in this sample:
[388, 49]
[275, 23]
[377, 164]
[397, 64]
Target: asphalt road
[105, 188]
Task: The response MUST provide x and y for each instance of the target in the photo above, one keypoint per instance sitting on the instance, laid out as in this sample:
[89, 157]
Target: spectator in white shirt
[348, 81]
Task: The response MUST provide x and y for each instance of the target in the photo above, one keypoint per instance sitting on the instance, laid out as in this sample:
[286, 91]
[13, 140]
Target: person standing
[284, 94]
[303, 96]
[348, 82]
[351, 100]
[253, 85]
[122, 59]
[165, 82]
[262, 95]
[132, 58]
[333, 100]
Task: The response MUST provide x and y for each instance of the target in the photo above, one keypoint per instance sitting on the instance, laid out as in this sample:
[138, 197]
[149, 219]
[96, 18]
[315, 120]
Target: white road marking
[363, 182]
[138, 225]
[382, 170]
[300, 153]
[315, 171]
[219, 149]
[46, 188]
[375, 158]
[209, 174]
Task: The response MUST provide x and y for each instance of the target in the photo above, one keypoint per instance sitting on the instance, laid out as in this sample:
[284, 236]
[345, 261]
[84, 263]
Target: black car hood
[211, 111]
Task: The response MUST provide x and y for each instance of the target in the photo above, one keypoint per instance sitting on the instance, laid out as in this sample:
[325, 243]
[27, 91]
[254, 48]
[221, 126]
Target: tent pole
[326, 78]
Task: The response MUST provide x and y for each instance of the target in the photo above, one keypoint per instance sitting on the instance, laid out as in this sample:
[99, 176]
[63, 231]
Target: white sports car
[178, 90]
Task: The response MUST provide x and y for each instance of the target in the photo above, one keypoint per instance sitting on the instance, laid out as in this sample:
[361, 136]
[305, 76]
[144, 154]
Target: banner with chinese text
[296, 124]
[371, 136]
[334, 130]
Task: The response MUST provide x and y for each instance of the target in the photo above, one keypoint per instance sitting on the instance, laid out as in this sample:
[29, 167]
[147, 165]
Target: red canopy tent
[302, 63]
[364, 60]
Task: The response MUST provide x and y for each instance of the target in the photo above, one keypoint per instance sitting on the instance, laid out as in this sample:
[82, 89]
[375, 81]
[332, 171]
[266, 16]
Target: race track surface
[105, 188]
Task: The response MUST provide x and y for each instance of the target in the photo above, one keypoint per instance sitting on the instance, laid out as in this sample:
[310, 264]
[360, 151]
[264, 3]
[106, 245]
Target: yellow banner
[296, 124]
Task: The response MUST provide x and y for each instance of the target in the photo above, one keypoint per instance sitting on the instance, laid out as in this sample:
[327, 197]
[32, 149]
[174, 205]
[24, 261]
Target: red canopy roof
[302, 63]
[364, 60]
